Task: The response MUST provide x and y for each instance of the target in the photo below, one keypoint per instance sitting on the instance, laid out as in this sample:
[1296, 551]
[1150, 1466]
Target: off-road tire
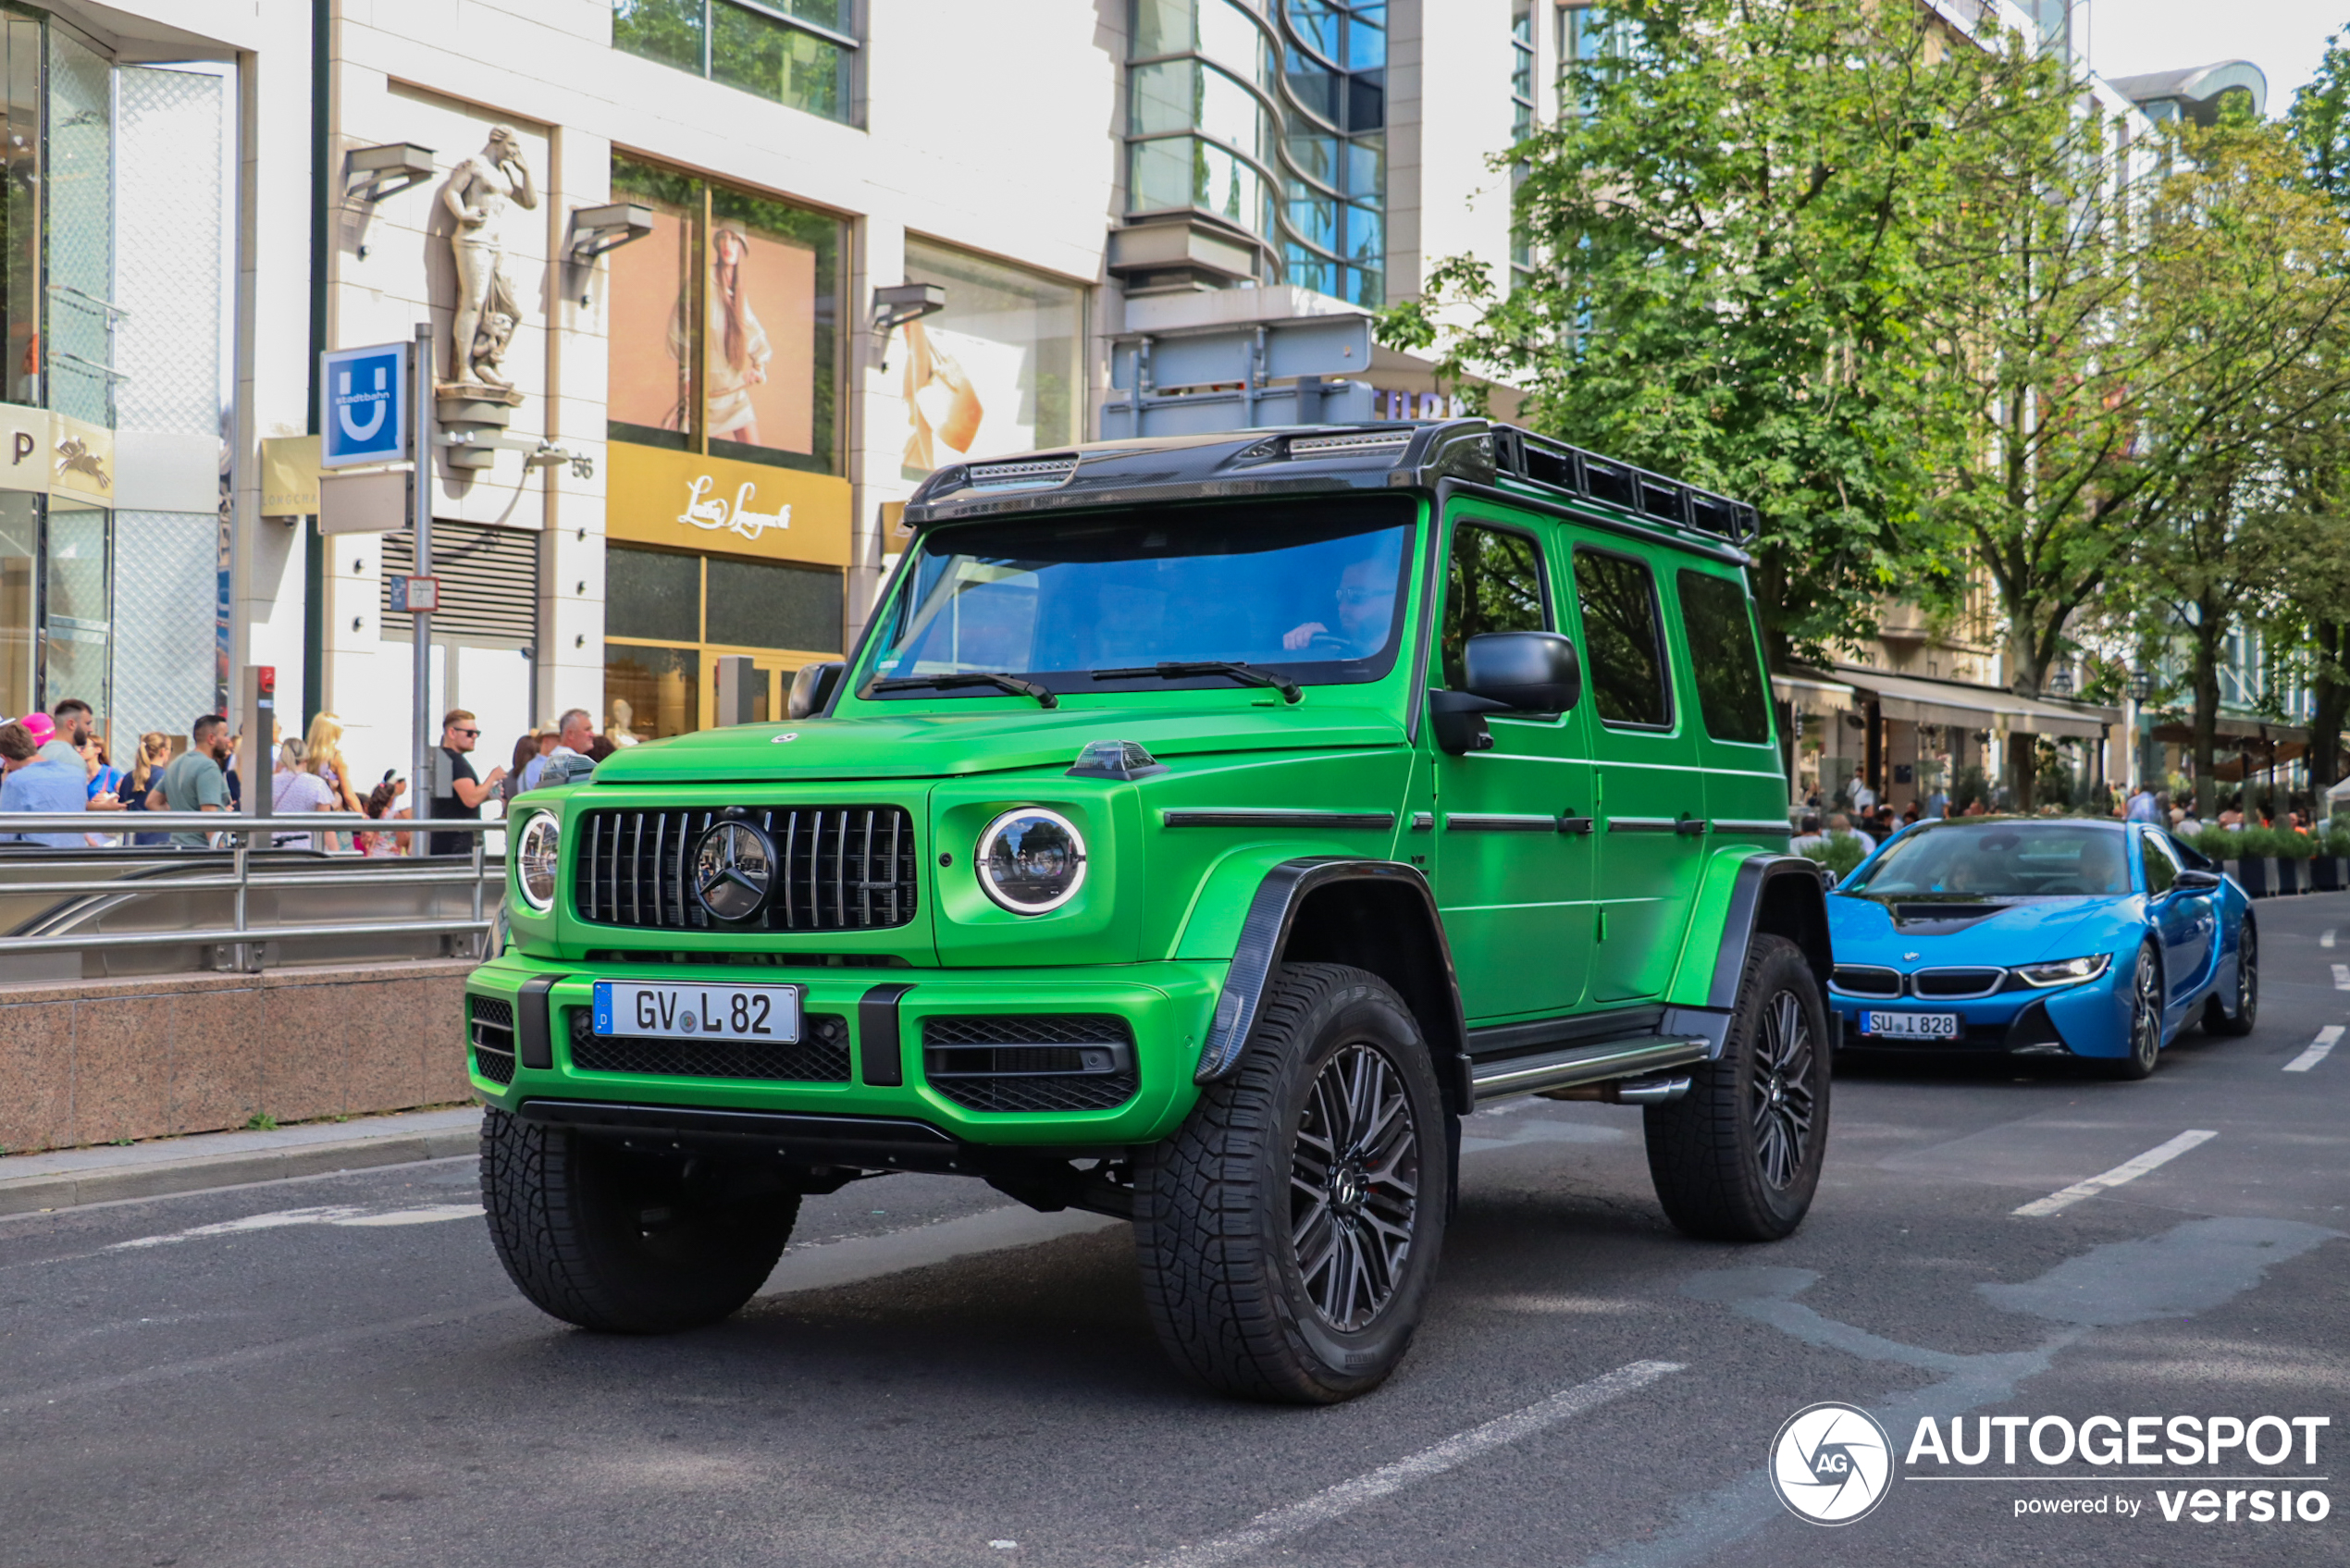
[1215, 1229]
[2146, 1045]
[624, 1242]
[2218, 1019]
[1709, 1150]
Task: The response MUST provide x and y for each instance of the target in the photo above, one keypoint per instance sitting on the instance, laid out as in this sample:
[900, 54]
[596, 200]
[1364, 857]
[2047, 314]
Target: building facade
[665, 249]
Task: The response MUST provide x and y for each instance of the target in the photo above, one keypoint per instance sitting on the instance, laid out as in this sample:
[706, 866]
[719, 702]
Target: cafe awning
[1811, 691]
[1973, 707]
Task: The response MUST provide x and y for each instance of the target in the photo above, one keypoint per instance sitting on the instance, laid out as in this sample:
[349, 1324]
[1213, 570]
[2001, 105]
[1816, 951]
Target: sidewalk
[30, 1183]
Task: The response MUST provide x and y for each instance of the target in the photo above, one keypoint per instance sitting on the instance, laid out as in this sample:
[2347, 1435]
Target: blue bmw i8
[2041, 937]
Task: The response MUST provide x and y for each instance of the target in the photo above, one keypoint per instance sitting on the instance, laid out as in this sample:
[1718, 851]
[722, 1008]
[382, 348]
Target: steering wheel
[1330, 645]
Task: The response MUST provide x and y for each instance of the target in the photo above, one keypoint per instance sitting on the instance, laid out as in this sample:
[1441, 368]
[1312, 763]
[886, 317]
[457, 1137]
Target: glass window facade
[669, 614]
[726, 327]
[1275, 124]
[801, 54]
[1001, 369]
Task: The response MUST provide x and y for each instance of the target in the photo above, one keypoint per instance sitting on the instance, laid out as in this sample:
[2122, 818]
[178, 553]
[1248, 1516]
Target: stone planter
[2292, 874]
[2252, 874]
[2325, 874]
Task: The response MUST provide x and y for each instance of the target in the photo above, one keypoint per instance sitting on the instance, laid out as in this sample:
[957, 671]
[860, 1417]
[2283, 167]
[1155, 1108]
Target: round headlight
[535, 860]
[1031, 860]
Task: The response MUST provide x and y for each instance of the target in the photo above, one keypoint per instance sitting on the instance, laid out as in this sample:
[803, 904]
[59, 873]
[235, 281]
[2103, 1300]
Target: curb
[197, 1173]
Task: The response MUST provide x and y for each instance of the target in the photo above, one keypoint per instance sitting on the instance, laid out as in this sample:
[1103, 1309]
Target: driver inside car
[1365, 597]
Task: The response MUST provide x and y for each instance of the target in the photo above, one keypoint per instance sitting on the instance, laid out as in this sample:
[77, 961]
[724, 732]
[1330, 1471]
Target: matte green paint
[1150, 933]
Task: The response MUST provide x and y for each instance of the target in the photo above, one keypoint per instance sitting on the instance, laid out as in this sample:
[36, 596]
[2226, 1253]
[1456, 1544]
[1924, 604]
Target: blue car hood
[1863, 932]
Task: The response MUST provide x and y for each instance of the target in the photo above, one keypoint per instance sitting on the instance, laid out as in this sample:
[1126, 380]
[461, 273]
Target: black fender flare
[1264, 940]
[1783, 895]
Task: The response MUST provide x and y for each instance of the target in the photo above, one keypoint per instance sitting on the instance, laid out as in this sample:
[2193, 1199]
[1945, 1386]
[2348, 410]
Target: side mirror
[1525, 671]
[2196, 882]
[812, 687]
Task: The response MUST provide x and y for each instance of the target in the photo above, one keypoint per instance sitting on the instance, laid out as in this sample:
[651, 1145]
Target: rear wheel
[2146, 1021]
[2218, 1019]
[1738, 1158]
[627, 1242]
[1289, 1232]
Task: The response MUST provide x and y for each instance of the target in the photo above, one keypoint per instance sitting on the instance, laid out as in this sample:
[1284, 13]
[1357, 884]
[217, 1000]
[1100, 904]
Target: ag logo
[1831, 1464]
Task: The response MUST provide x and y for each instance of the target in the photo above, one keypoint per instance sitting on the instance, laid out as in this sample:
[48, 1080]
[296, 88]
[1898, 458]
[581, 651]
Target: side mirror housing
[812, 687]
[1524, 671]
[2196, 882]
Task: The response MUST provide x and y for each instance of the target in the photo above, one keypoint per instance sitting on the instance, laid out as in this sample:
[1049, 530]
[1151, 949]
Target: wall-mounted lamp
[372, 173]
[595, 230]
[898, 304]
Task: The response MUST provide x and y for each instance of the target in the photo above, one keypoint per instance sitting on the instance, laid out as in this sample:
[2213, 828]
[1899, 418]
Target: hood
[1863, 931]
[937, 745]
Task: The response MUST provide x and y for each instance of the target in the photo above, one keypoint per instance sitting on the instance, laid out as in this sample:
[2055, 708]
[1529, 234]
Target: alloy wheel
[1354, 1187]
[1783, 1098]
[2145, 1010]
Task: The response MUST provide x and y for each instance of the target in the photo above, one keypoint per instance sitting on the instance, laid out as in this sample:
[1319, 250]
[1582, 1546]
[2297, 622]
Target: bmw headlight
[1032, 860]
[2064, 971]
[535, 860]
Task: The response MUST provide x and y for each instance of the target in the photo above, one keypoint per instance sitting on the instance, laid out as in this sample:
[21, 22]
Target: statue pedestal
[469, 407]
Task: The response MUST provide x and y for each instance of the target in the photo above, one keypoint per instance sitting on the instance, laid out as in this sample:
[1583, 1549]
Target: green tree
[2318, 123]
[1725, 228]
[2246, 297]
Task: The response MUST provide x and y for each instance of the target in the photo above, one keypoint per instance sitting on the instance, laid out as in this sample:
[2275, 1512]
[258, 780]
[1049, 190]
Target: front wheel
[1289, 1231]
[2218, 1019]
[1738, 1158]
[2146, 1021]
[629, 1243]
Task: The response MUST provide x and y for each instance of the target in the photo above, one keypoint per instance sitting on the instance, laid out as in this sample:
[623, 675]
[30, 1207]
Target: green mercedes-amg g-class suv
[1202, 828]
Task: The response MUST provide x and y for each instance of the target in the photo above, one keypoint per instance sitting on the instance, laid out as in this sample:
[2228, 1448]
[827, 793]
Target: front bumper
[2089, 1020]
[1167, 1007]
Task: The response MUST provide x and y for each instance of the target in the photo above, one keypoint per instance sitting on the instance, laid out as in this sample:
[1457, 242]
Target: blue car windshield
[1311, 590]
[2001, 860]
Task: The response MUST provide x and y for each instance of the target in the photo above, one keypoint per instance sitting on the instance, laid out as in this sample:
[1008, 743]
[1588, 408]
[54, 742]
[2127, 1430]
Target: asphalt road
[334, 1371]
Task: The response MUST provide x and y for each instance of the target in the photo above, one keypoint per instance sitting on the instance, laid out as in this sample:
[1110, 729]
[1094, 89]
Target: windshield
[2001, 861]
[1310, 591]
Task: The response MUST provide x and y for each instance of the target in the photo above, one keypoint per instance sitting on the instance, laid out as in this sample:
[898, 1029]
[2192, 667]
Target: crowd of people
[57, 762]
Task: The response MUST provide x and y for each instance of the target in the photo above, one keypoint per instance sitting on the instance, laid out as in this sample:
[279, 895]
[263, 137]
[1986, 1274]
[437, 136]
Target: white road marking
[341, 1214]
[2128, 1170]
[2327, 940]
[1347, 1496]
[2341, 977]
[2325, 1042]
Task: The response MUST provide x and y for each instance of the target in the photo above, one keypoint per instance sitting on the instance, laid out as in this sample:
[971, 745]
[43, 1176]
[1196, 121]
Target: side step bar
[1577, 1065]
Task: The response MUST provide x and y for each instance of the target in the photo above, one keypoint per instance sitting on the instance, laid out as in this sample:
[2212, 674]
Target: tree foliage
[1725, 228]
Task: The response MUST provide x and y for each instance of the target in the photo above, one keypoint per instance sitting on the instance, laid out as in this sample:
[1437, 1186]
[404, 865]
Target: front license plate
[1911, 1026]
[698, 1012]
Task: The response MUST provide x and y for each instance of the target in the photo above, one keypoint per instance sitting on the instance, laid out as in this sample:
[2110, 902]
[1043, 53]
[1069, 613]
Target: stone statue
[486, 309]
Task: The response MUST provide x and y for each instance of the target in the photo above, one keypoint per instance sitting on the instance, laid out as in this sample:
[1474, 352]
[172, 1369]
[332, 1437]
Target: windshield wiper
[1248, 676]
[1014, 684]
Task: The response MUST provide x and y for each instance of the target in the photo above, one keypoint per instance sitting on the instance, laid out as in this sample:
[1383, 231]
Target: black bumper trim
[534, 1037]
[877, 1142]
[881, 1057]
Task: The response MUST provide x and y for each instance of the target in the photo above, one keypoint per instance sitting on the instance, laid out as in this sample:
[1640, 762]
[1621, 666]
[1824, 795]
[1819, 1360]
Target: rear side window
[1494, 584]
[1622, 652]
[2162, 867]
[1721, 656]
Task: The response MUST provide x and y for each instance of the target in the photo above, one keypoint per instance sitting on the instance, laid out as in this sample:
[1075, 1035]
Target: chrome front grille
[1865, 979]
[836, 868]
[1957, 982]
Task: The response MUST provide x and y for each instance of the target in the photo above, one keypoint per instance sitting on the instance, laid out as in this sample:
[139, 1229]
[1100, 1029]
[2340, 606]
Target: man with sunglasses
[456, 792]
[1365, 597]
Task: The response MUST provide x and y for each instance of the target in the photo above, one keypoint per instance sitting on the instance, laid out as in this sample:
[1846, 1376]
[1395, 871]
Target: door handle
[1692, 826]
[1572, 823]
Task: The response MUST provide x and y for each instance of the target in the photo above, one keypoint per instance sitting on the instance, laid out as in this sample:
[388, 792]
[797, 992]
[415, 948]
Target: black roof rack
[1321, 458]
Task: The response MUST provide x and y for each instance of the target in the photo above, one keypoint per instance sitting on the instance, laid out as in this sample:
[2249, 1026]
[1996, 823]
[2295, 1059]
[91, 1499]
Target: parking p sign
[366, 416]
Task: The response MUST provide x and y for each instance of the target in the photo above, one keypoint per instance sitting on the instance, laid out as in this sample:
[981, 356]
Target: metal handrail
[241, 829]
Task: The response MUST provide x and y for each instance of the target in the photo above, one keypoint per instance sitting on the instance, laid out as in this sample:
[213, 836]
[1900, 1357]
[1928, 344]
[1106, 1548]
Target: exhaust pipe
[1623, 1091]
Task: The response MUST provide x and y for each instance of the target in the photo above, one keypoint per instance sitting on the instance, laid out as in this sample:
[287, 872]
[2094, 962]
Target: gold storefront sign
[52, 454]
[290, 477]
[687, 501]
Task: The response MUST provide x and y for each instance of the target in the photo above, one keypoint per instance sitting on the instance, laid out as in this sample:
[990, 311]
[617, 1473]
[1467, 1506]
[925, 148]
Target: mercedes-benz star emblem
[733, 870]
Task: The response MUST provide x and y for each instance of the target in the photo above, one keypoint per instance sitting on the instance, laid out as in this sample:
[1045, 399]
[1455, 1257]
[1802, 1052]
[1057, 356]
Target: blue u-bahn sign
[365, 396]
